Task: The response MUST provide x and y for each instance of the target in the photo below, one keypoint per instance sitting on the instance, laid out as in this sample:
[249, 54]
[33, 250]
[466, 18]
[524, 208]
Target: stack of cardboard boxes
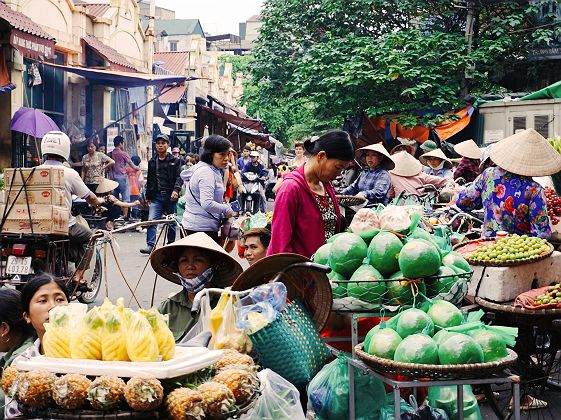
[41, 202]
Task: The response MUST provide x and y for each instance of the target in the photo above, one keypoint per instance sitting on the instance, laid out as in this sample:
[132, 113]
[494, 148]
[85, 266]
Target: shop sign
[31, 46]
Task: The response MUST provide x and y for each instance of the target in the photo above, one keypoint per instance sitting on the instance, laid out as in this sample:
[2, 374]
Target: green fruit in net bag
[347, 253]
[456, 260]
[332, 239]
[322, 254]
[418, 233]
[433, 243]
[460, 349]
[417, 348]
[383, 253]
[444, 314]
[383, 343]
[414, 321]
[441, 284]
[494, 347]
[371, 292]
[400, 292]
[339, 288]
[418, 258]
[441, 336]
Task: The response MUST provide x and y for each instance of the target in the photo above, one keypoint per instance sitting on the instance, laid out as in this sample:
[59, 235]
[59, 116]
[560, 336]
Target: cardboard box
[35, 195]
[42, 177]
[46, 219]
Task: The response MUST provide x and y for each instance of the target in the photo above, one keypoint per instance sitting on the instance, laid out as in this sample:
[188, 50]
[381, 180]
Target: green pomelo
[371, 292]
[383, 343]
[417, 348]
[383, 253]
[494, 347]
[332, 239]
[400, 292]
[418, 258]
[441, 336]
[419, 233]
[322, 254]
[347, 253]
[460, 349]
[434, 244]
[368, 236]
[339, 289]
[414, 321]
[444, 314]
[443, 284]
[456, 260]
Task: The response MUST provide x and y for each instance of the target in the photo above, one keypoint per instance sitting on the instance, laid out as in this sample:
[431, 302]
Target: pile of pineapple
[231, 382]
[108, 332]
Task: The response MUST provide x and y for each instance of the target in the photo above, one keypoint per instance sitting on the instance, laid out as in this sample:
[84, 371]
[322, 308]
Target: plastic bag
[254, 317]
[388, 410]
[279, 400]
[273, 293]
[411, 411]
[203, 323]
[141, 342]
[328, 393]
[446, 398]
[228, 335]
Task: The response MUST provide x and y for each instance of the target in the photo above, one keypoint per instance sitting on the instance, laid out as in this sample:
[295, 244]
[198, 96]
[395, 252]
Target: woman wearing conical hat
[512, 200]
[471, 154]
[437, 164]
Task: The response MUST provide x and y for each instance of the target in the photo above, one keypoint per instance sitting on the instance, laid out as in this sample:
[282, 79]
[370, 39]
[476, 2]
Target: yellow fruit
[8, 377]
[141, 342]
[70, 391]
[86, 341]
[218, 400]
[144, 393]
[113, 340]
[233, 357]
[106, 392]
[34, 388]
[242, 383]
[164, 336]
[56, 341]
[217, 313]
[184, 403]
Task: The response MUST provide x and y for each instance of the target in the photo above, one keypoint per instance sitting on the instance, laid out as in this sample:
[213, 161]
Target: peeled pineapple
[144, 393]
[113, 340]
[184, 403]
[241, 382]
[106, 392]
[86, 341]
[8, 377]
[233, 357]
[56, 341]
[34, 388]
[164, 336]
[218, 400]
[70, 391]
[141, 342]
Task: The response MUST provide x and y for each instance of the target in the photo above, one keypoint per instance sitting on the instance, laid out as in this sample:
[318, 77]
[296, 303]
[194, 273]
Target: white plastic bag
[279, 400]
[228, 335]
[203, 323]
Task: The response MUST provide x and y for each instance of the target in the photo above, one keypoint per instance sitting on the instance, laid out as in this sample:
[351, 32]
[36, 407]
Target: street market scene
[280, 209]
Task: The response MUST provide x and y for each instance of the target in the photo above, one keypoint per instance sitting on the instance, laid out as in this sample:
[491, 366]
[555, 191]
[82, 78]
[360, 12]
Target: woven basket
[509, 308]
[59, 413]
[291, 345]
[350, 200]
[419, 371]
[510, 263]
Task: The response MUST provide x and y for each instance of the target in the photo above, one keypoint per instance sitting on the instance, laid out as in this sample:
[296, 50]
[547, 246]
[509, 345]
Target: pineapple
[185, 404]
[241, 383]
[106, 392]
[34, 388]
[113, 340]
[233, 357]
[70, 391]
[56, 341]
[164, 336]
[8, 378]
[218, 400]
[144, 393]
[86, 341]
[141, 342]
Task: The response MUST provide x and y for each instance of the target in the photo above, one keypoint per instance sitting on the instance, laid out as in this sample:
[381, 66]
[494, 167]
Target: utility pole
[469, 40]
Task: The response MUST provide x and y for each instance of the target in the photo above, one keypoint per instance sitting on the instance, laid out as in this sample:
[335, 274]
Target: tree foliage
[318, 61]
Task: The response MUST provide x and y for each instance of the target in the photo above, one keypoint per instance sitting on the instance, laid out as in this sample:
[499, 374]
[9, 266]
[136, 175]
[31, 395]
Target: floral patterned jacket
[513, 203]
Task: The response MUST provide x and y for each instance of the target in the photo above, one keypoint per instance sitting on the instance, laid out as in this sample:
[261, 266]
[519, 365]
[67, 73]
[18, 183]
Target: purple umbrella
[32, 122]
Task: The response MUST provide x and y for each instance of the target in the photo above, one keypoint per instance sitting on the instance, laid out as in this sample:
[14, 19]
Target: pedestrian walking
[122, 160]
[163, 185]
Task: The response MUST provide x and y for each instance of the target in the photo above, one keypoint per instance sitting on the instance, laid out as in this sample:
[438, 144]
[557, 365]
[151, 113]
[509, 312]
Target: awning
[232, 108]
[261, 139]
[173, 95]
[550, 92]
[232, 119]
[116, 60]
[121, 79]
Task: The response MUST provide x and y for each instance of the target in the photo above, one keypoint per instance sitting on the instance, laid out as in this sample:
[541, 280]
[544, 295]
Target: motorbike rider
[256, 167]
[55, 150]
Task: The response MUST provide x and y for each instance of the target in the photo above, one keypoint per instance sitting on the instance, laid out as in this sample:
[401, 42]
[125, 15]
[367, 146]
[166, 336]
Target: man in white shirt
[55, 148]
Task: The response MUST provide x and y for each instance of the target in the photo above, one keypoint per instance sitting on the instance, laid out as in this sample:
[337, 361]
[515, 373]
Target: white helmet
[56, 143]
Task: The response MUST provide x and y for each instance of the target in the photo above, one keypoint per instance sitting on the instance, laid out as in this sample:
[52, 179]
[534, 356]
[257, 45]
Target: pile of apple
[553, 202]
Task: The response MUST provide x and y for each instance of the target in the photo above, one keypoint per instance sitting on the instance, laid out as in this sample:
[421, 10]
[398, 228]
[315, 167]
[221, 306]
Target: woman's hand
[174, 196]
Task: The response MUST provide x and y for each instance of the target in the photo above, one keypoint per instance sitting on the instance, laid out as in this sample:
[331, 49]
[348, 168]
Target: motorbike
[251, 196]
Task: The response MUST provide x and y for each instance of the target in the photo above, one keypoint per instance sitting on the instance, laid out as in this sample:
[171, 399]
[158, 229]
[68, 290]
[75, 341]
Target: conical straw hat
[164, 259]
[387, 161]
[526, 153]
[438, 154]
[106, 185]
[468, 149]
[406, 165]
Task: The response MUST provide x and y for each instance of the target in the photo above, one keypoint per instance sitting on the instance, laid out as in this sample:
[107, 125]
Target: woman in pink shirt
[408, 175]
[306, 210]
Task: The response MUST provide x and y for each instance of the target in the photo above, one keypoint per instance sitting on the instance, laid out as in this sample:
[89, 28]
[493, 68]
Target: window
[541, 124]
[518, 124]
[173, 45]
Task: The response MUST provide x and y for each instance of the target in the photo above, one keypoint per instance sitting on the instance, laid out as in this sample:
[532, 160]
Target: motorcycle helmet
[55, 143]
[254, 154]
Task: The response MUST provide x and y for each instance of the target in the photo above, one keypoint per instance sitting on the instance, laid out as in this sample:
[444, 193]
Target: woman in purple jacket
[306, 210]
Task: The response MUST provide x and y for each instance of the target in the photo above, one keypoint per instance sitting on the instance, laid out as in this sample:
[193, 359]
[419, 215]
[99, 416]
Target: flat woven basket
[59, 413]
[419, 371]
[509, 308]
[509, 263]
[350, 200]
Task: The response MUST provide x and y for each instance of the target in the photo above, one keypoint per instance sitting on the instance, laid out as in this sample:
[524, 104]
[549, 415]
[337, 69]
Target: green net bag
[291, 345]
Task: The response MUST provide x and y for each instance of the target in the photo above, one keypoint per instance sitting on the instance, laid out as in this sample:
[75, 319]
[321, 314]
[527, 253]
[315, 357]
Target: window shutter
[541, 124]
[518, 123]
